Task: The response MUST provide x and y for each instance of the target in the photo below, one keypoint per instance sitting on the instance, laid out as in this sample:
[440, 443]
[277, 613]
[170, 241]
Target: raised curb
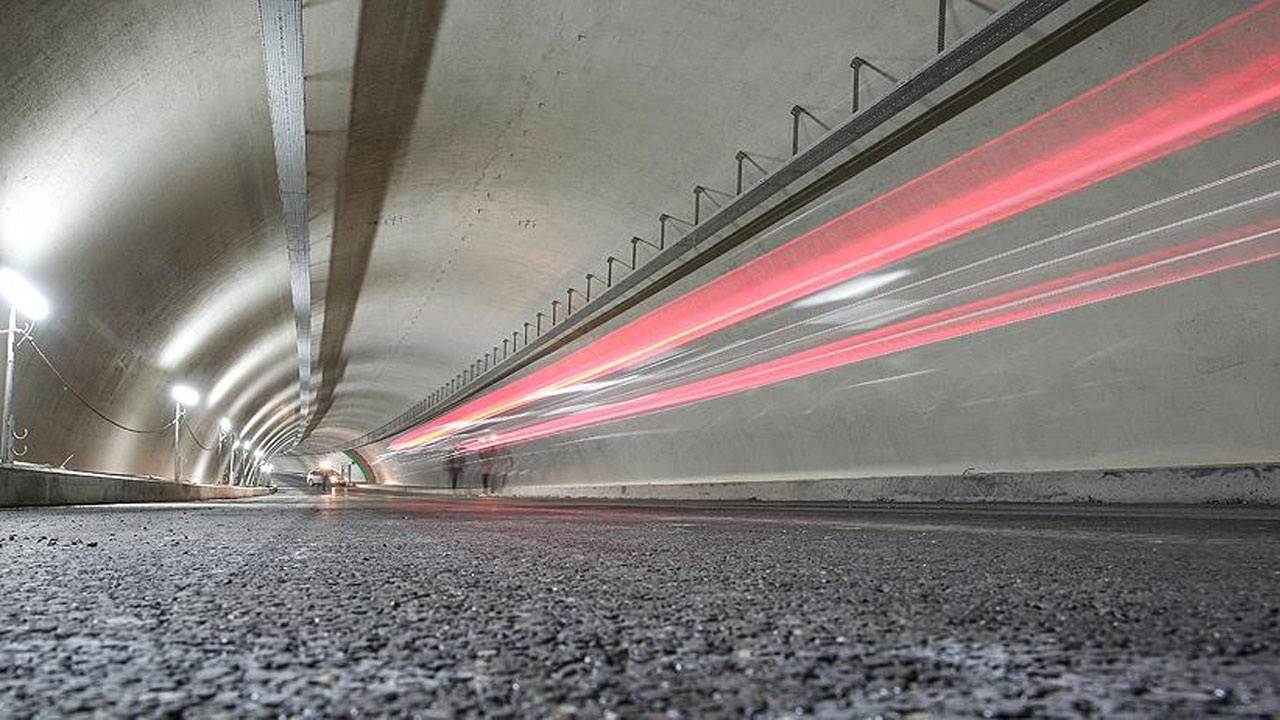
[1223, 484]
[33, 486]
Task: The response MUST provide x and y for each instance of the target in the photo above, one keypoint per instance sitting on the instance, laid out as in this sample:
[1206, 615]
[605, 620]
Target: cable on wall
[85, 401]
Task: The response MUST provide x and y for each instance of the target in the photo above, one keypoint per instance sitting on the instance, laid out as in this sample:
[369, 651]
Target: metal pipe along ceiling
[281, 25]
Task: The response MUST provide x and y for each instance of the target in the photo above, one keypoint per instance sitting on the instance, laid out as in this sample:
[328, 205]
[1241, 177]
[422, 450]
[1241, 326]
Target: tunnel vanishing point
[427, 358]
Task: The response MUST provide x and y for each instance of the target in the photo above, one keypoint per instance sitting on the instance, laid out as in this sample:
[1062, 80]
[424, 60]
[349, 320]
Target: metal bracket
[857, 63]
[942, 26]
[796, 112]
[636, 242]
[698, 192]
[744, 156]
[20, 436]
[24, 334]
[591, 277]
[569, 310]
[663, 219]
[609, 261]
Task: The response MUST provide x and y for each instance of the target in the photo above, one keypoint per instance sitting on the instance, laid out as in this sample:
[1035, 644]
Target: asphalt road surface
[306, 604]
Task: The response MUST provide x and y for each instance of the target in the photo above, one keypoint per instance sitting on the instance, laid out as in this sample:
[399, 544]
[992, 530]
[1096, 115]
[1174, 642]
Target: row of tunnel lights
[25, 299]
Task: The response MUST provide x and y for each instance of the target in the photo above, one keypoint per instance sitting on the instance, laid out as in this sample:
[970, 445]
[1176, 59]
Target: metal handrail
[1000, 28]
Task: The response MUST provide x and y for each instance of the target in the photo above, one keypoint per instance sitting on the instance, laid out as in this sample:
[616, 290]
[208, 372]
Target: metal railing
[565, 326]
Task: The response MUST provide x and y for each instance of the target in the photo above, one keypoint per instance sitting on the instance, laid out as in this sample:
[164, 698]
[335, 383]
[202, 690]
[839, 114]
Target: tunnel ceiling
[493, 156]
[466, 162]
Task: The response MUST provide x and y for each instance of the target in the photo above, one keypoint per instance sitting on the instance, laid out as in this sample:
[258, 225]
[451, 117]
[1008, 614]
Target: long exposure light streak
[771, 341]
[1222, 79]
[1126, 277]
[903, 308]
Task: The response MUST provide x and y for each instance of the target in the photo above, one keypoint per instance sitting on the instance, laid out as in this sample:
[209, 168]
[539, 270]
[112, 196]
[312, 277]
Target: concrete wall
[1227, 485]
[144, 205]
[1184, 376]
[37, 486]
[1241, 484]
[519, 146]
[504, 149]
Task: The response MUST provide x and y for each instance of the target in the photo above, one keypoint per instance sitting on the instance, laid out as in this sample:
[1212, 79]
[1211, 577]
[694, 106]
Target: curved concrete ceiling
[465, 161]
[495, 156]
[138, 191]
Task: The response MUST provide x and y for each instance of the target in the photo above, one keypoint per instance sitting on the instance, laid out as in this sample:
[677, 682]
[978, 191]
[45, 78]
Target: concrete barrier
[27, 486]
[1224, 484]
[414, 490]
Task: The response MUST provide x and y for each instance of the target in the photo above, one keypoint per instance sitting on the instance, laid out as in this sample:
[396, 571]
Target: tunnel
[644, 358]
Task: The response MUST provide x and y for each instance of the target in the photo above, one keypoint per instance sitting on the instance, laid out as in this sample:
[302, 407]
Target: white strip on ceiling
[281, 22]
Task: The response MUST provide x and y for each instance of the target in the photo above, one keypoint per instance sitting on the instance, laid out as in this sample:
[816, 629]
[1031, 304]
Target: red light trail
[1222, 79]
[1126, 277]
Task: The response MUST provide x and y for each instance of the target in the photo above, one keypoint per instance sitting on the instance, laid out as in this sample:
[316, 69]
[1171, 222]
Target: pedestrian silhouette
[454, 463]
[486, 468]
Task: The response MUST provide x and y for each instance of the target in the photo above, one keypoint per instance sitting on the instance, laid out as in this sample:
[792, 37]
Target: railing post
[611, 260]
[796, 112]
[856, 63]
[590, 277]
[662, 229]
[795, 129]
[942, 26]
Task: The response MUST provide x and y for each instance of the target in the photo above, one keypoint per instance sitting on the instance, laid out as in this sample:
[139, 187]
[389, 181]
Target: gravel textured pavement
[306, 604]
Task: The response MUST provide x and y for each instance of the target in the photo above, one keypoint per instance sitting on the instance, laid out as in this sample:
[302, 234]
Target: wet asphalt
[305, 604]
